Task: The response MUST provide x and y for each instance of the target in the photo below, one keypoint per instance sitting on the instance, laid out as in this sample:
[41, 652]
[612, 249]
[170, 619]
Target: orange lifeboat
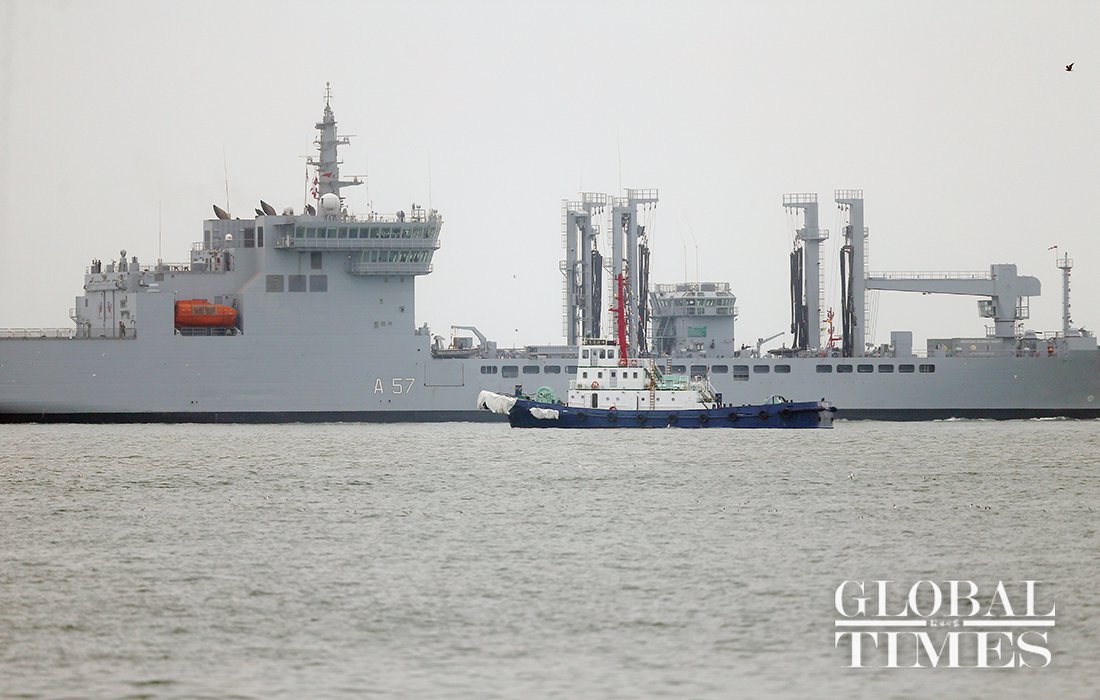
[199, 313]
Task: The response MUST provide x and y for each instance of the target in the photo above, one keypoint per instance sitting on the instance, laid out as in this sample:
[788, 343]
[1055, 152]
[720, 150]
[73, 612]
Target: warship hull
[247, 379]
[322, 307]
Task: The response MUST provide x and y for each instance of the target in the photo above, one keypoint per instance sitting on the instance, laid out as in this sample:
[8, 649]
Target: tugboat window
[595, 400]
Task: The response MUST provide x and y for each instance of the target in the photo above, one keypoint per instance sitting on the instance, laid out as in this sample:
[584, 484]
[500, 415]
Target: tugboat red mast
[620, 318]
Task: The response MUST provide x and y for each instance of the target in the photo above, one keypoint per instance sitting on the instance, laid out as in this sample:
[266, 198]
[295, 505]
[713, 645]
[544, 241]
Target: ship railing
[389, 268]
[967, 275]
[167, 267]
[37, 333]
[691, 287]
[417, 215]
[359, 243]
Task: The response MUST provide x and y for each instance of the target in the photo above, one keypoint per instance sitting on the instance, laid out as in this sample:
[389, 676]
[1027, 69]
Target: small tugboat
[613, 390]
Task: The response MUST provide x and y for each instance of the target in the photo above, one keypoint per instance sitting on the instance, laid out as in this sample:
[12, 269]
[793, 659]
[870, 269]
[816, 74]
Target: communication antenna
[683, 243]
[225, 170]
[695, 242]
[619, 146]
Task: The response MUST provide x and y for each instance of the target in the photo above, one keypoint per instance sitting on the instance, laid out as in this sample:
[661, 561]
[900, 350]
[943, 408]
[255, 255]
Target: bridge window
[740, 373]
[530, 369]
[570, 369]
[719, 369]
[927, 369]
[698, 370]
[509, 371]
[843, 369]
[679, 369]
[584, 353]
[551, 369]
[761, 369]
[824, 369]
[274, 283]
[906, 369]
[865, 369]
[488, 369]
[885, 369]
[782, 369]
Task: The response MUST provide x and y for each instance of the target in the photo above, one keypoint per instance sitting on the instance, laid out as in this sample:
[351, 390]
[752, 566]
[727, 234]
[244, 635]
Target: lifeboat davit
[199, 313]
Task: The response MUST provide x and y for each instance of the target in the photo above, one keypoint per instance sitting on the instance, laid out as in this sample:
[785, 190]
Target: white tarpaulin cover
[544, 413]
[497, 403]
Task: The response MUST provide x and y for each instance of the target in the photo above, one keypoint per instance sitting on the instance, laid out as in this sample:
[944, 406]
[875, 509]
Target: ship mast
[1065, 265]
[328, 163]
[620, 317]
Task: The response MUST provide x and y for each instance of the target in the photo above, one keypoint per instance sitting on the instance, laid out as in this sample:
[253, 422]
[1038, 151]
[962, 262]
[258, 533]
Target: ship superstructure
[310, 316]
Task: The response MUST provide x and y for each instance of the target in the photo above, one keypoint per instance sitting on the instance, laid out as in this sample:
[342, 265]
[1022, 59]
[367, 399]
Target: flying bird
[1070, 66]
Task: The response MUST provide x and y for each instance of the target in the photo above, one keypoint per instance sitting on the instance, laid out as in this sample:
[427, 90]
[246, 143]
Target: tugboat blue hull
[804, 414]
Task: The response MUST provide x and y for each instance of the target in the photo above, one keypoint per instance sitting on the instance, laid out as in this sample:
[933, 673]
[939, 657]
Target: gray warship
[310, 316]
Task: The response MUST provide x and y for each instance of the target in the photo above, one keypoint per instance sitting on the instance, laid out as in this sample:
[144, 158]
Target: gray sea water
[470, 560]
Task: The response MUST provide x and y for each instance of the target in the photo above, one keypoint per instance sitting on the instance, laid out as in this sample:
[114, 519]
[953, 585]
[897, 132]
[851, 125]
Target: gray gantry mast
[582, 267]
[625, 233]
[853, 284]
[806, 288]
[328, 163]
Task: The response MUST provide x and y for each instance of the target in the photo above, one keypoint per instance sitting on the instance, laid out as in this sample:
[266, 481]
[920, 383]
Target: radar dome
[330, 203]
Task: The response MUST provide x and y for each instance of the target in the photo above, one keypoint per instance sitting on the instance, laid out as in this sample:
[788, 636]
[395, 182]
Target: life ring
[633, 363]
[1050, 350]
[640, 417]
[762, 414]
[734, 415]
[672, 418]
[612, 414]
[785, 412]
[703, 418]
[595, 385]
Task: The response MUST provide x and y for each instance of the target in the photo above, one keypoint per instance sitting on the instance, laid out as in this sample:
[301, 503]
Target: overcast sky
[972, 143]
